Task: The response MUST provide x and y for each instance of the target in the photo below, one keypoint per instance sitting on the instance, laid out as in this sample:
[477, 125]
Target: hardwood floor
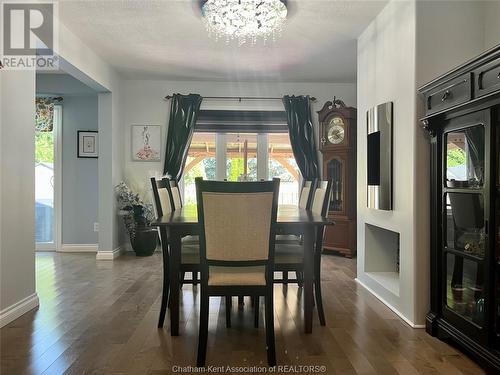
[99, 317]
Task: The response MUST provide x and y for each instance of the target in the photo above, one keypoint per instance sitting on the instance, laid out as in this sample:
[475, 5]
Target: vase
[145, 241]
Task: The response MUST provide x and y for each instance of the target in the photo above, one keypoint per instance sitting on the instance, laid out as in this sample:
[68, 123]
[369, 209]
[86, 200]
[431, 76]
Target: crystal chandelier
[244, 20]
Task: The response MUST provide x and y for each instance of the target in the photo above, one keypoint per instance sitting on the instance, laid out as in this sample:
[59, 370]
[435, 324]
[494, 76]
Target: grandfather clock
[337, 124]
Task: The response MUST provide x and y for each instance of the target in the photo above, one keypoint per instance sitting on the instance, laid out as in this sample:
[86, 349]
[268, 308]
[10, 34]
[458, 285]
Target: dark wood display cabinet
[463, 120]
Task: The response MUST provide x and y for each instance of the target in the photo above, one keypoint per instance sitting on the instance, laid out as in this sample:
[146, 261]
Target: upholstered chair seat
[237, 275]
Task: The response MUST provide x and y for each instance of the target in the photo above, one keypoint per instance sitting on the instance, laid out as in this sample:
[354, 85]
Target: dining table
[290, 219]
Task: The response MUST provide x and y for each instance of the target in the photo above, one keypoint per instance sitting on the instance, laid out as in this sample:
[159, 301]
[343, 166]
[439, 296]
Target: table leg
[308, 277]
[175, 260]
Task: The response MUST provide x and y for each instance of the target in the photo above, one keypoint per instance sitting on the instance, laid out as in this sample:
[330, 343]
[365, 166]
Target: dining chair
[190, 253]
[163, 205]
[290, 256]
[177, 203]
[237, 251]
[305, 201]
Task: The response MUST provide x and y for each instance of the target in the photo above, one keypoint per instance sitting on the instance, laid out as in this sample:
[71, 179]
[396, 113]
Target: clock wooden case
[337, 124]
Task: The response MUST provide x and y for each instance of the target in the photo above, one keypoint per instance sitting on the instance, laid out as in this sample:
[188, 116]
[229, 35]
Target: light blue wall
[79, 175]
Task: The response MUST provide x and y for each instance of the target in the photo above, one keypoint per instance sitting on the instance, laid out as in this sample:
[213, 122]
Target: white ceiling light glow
[244, 20]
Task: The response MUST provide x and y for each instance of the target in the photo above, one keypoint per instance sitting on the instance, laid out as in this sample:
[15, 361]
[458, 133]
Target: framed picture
[88, 144]
[146, 142]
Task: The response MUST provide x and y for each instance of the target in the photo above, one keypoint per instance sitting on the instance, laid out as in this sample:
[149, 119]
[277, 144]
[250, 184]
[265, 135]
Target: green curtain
[300, 129]
[44, 115]
[184, 111]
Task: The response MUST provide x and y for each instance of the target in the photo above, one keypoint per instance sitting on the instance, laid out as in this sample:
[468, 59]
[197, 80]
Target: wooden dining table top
[288, 215]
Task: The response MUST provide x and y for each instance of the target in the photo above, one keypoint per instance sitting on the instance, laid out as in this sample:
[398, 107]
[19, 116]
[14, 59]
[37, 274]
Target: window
[283, 166]
[200, 162]
[241, 156]
[245, 156]
[242, 146]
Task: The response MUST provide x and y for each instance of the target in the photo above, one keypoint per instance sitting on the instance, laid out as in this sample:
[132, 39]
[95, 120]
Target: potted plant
[137, 217]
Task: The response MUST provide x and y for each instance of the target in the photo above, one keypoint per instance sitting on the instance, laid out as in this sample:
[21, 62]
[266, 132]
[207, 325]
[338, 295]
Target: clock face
[336, 130]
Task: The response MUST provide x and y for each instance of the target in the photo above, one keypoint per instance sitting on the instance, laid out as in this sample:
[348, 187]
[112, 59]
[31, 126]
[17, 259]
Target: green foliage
[455, 157]
[234, 168]
[277, 170]
[210, 168]
[44, 147]
[205, 169]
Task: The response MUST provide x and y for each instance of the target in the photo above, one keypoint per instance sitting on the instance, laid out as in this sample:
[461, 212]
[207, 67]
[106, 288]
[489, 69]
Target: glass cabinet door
[464, 223]
[335, 172]
[465, 288]
[465, 238]
[465, 150]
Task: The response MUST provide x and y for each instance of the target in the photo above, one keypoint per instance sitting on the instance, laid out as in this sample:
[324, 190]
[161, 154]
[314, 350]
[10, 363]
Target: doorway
[47, 179]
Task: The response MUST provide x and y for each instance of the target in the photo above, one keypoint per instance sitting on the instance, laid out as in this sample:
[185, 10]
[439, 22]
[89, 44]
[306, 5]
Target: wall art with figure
[146, 142]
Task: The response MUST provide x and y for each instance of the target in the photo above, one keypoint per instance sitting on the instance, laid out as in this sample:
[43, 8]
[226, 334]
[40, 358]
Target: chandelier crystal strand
[244, 20]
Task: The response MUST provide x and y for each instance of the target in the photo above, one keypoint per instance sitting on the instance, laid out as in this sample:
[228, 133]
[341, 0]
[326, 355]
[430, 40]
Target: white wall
[448, 33]
[142, 103]
[17, 261]
[17, 208]
[386, 72]
[409, 43]
[81, 62]
[491, 24]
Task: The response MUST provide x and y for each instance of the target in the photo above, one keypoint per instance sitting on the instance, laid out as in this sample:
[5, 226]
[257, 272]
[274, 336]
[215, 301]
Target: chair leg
[182, 278]
[165, 292]
[203, 334]
[256, 311]
[228, 311]
[195, 278]
[270, 344]
[240, 301]
[300, 278]
[317, 288]
[285, 277]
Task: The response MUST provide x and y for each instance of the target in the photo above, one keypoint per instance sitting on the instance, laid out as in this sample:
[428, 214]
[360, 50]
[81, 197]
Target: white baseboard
[78, 248]
[109, 255]
[14, 311]
[396, 311]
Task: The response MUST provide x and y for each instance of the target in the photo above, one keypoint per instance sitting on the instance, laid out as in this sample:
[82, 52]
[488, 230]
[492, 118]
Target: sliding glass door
[242, 157]
[45, 184]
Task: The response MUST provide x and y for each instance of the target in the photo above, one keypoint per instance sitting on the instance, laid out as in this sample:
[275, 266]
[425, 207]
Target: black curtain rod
[55, 98]
[239, 98]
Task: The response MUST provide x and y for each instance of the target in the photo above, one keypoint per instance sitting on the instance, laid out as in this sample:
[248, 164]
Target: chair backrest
[162, 196]
[306, 194]
[176, 194]
[322, 196]
[237, 222]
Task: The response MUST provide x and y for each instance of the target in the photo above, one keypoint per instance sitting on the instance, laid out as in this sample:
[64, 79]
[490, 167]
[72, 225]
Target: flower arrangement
[134, 210]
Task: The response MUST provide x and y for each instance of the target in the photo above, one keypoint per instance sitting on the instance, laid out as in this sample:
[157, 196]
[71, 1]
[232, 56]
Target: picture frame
[146, 143]
[88, 144]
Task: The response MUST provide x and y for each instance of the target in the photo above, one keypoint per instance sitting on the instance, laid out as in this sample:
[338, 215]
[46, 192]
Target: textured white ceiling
[167, 40]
